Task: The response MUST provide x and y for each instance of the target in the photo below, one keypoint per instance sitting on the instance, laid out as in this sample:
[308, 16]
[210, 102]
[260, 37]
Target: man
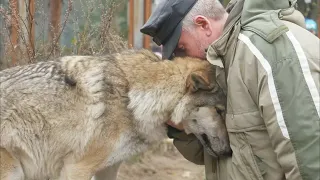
[268, 65]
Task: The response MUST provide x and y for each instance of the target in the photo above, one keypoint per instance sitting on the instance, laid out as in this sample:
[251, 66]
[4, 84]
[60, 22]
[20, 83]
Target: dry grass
[90, 38]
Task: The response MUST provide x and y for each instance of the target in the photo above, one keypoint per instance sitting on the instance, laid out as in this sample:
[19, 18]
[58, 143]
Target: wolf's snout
[228, 152]
[226, 149]
[205, 139]
[216, 146]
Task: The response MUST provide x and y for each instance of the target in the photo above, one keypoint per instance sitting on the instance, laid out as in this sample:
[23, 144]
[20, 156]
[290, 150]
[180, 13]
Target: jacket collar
[218, 48]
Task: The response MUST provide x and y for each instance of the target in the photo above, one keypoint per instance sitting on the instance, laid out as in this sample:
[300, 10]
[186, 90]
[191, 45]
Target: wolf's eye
[194, 121]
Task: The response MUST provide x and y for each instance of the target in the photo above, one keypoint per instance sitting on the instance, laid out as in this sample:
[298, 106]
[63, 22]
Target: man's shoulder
[281, 51]
[278, 44]
[273, 24]
[267, 26]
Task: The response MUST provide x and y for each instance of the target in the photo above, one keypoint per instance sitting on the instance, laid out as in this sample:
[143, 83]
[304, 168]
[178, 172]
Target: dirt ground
[164, 162]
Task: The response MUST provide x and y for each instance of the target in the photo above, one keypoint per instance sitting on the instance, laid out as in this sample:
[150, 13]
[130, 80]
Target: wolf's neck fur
[152, 104]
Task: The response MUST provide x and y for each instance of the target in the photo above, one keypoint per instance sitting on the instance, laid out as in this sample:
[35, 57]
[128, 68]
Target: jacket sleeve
[188, 145]
[286, 91]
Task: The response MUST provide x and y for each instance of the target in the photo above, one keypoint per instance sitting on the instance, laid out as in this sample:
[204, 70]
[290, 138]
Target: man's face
[194, 41]
[192, 44]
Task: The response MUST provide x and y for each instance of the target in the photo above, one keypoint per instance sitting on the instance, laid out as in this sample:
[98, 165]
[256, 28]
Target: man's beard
[202, 49]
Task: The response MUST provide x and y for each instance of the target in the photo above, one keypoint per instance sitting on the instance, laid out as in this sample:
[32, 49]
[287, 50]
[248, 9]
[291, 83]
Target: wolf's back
[30, 94]
[59, 94]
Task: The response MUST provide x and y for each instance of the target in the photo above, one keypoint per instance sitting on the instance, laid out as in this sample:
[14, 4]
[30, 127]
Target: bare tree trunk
[31, 26]
[147, 13]
[131, 24]
[318, 9]
[23, 32]
[55, 24]
[2, 40]
[26, 12]
[14, 6]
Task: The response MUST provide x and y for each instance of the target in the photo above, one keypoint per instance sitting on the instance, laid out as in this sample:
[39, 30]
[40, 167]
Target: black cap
[165, 24]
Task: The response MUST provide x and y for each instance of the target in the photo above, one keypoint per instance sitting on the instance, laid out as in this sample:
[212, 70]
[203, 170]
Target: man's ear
[204, 23]
[198, 80]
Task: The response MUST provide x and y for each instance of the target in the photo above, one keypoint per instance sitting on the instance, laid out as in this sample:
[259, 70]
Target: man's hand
[178, 126]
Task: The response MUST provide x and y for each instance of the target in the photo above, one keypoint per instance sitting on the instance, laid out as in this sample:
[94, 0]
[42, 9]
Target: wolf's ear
[198, 80]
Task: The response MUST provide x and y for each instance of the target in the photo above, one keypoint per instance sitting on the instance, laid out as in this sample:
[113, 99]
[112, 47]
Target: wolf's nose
[227, 152]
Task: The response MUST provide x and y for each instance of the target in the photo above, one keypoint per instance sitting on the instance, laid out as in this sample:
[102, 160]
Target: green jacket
[270, 73]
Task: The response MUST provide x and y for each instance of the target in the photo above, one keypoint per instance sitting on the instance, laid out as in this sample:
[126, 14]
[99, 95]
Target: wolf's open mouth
[207, 144]
[205, 139]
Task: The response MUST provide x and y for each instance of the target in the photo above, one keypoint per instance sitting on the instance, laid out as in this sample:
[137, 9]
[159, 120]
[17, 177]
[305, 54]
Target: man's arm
[188, 145]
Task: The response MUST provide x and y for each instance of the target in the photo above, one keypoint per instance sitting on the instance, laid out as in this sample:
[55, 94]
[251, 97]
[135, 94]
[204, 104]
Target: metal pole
[147, 13]
[14, 30]
[31, 26]
[54, 26]
[131, 23]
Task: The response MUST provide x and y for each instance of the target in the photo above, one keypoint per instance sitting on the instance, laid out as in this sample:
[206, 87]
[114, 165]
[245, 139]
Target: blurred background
[41, 30]
[33, 30]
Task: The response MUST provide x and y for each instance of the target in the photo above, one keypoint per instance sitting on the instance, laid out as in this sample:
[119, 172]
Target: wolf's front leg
[109, 173]
[86, 167]
[10, 168]
[79, 171]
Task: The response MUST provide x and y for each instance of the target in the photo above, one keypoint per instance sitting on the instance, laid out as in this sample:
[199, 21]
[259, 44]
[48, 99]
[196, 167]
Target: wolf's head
[202, 109]
[183, 90]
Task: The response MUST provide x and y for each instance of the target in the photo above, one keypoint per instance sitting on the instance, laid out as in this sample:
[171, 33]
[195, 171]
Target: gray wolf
[70, 118]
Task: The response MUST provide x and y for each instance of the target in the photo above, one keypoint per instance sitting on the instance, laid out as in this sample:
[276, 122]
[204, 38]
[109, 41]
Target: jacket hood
[254, 15]
[218, 48]
[254, 9]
